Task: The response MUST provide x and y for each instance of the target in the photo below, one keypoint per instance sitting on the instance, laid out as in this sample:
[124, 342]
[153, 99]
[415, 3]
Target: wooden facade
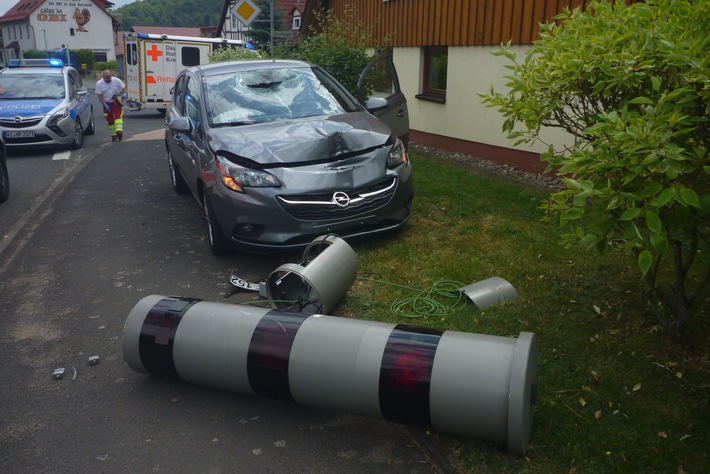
[402, 23]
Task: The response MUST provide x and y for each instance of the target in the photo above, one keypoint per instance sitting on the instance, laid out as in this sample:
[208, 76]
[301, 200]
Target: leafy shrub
[631, 85]
[34, 54]
[107, 65]
[231, 54]
[85, 56]
[339, 47]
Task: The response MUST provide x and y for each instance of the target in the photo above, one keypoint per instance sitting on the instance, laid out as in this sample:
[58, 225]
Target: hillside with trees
[174, 13]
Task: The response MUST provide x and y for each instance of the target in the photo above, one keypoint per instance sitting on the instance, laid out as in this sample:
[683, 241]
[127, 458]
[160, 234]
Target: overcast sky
[5, 5]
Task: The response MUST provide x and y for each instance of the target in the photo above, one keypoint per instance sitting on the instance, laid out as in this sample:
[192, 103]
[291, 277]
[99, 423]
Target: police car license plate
[22, 134]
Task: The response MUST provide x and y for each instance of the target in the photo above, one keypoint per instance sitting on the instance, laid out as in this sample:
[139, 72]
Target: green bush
[85, 56]
[102, 66]
[631, 84]
[34, 54]
[339, 47]
[231, 54]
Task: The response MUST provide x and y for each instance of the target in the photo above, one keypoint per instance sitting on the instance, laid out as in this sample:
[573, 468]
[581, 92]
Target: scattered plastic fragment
[58, 373]
[73, 376]
[93, 360]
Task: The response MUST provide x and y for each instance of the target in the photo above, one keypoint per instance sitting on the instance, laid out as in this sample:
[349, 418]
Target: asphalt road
[111, 232]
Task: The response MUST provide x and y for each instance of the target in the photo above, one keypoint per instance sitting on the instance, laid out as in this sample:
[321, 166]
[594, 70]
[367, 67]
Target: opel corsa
[277, 152]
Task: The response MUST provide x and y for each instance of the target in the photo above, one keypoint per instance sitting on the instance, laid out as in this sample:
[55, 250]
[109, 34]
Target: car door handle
[401, 112]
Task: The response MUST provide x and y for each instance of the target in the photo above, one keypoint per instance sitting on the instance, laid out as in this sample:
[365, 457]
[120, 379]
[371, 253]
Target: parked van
[152, 62]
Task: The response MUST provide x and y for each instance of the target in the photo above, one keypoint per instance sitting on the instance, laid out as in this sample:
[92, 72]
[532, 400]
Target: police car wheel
[78, 136]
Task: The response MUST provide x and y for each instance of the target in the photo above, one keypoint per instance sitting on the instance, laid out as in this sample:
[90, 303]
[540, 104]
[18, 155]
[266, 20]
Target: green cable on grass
[426, 302]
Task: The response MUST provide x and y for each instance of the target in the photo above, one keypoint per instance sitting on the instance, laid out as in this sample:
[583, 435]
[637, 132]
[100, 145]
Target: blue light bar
[34, 63]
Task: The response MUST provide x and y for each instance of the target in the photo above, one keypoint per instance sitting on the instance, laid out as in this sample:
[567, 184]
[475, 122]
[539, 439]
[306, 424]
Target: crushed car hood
[304, 141]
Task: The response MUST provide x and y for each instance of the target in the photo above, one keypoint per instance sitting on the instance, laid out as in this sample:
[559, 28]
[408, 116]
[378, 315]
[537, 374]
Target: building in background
[290, 12]
[442, 51]
[56, 24]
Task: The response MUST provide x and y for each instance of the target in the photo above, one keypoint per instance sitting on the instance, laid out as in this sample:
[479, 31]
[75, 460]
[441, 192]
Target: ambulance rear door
[132, 68]
[160, 64]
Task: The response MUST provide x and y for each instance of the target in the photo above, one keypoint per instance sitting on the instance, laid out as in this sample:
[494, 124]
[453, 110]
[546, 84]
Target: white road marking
[62, 155]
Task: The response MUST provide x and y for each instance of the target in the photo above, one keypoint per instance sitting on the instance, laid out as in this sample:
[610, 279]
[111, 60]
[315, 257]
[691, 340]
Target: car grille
[26, 122]
[339, 205]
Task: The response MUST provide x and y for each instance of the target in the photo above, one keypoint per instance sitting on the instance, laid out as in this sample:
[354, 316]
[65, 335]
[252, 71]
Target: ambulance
[152, 62]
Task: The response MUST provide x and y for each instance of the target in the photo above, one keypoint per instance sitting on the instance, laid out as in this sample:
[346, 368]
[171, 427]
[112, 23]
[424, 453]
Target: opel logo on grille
[18, 119]
[341, 199]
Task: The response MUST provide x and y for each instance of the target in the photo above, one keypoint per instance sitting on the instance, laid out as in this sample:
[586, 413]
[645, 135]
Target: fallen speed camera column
[461, 383]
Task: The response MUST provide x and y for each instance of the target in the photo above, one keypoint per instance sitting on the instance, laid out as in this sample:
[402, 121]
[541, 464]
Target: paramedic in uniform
[108, 88]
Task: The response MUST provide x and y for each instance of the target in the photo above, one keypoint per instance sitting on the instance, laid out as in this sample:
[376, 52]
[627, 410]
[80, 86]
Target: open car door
[379, 81]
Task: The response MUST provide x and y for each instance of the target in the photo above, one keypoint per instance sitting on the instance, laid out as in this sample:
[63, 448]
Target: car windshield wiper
[264, 85]
[234, 124]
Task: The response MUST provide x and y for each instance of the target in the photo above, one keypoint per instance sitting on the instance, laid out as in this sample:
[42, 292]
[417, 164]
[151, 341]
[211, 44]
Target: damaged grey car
[277, 152]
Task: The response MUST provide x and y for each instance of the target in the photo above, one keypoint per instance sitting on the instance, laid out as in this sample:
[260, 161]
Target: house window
[296, 20]
[435, 70]
[100, 57]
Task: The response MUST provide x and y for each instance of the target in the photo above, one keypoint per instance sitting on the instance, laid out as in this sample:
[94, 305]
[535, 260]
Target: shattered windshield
[268, 95]
[31, 86]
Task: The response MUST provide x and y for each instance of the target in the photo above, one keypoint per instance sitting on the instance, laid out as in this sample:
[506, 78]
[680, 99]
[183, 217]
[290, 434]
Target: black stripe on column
[269, 353]
[155, 345]
[405, 374]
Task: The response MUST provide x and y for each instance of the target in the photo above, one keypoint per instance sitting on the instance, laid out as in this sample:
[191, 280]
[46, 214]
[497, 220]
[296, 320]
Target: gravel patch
[537, 181]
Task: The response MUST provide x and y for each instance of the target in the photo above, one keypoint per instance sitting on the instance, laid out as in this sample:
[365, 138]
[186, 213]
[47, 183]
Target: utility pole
[271, 34]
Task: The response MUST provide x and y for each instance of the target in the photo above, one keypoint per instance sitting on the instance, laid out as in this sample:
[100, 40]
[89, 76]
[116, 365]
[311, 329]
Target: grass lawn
[615, 395]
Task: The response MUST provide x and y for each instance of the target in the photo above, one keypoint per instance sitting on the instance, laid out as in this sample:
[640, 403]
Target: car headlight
[57, 116]
[397, 155]
[237, 177]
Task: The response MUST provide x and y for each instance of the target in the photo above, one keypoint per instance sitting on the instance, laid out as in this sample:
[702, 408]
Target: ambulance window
[190, 56]
[132, 54]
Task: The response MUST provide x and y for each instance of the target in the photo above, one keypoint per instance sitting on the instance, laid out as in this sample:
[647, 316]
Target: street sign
[246, 11]
[283, 34]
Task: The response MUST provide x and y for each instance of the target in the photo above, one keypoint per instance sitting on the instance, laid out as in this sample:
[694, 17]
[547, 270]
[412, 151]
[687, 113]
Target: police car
[43, 102]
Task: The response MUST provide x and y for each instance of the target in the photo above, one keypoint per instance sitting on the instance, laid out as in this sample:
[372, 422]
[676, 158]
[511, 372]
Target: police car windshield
[31, 86]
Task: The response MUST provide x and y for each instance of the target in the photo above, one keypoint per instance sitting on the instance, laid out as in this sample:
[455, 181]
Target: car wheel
[4, 182]
[78, 135]
[219, 245]
[91, 129]
[179, 184]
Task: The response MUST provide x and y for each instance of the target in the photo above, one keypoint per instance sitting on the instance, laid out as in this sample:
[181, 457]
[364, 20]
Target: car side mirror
[180, 125]
[376, 103]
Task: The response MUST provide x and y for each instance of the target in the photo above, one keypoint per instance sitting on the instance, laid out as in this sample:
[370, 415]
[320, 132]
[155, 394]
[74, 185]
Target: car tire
[91, 129]
[4, 182]
[219, 245]
[78, 135]
[179, 184]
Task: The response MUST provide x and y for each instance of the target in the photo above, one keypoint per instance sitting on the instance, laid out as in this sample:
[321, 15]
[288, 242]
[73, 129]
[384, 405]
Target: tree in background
[173, 13]
[631, 85]
[260, 29]
[339, 47]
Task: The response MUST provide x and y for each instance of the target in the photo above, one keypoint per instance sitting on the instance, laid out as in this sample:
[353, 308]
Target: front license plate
[23, 134]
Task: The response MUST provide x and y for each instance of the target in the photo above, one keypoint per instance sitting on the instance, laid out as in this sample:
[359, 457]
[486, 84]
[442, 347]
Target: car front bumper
[258, 219]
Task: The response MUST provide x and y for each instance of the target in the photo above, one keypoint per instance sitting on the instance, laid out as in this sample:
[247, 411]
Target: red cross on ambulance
[154, 52]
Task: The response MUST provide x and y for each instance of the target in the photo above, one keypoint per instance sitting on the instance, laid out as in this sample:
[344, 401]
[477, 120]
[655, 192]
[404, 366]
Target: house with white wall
[442, 51]
[47, 25]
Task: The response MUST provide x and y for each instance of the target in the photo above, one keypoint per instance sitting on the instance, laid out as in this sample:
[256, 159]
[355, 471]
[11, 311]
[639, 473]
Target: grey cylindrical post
[468, 384]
